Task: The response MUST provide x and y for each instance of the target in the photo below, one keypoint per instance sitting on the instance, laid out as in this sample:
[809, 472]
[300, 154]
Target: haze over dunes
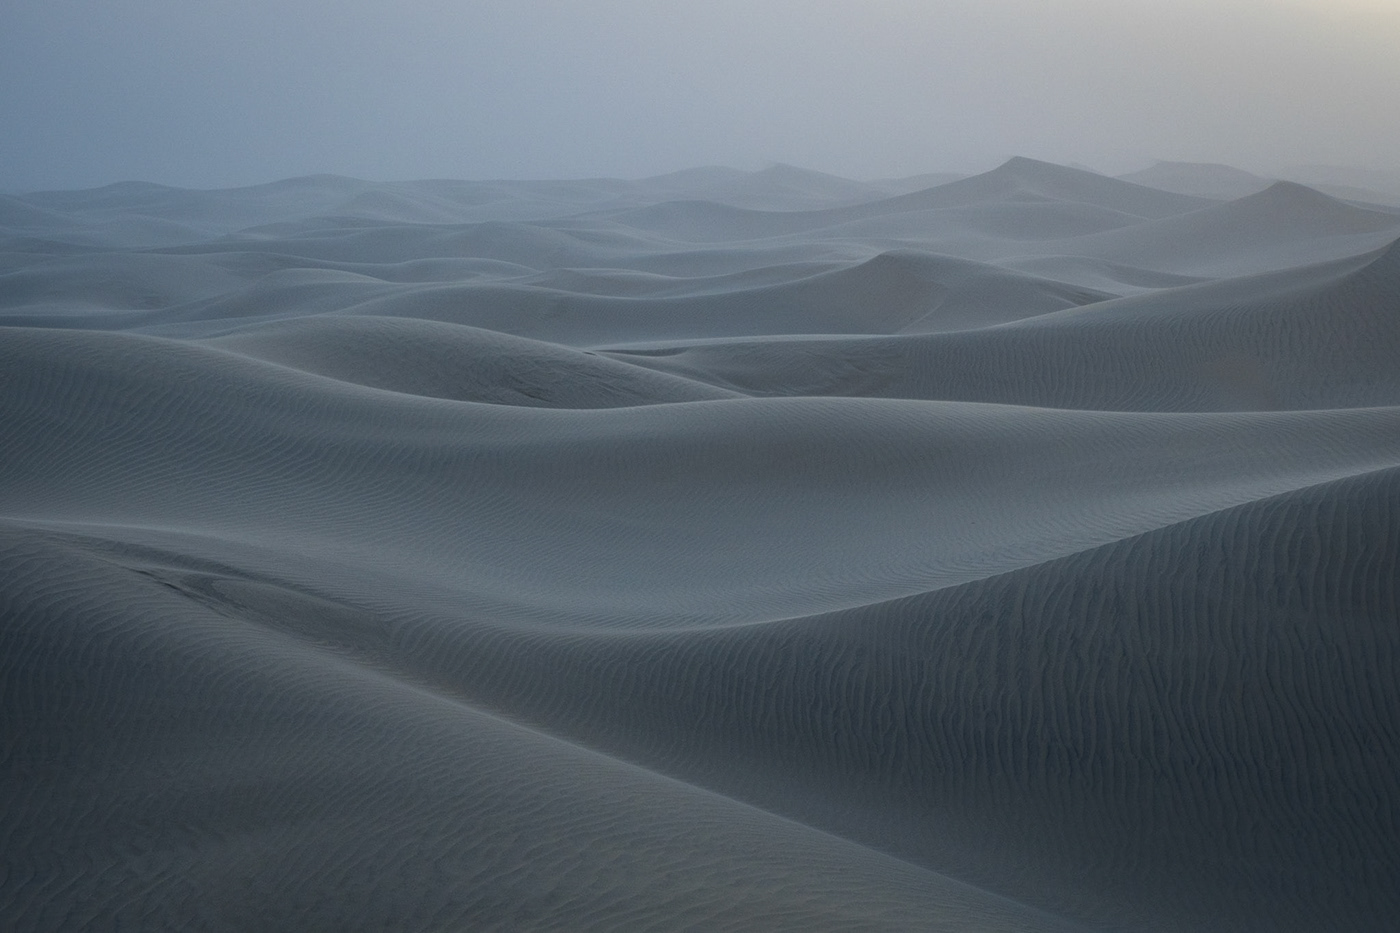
[720, 551]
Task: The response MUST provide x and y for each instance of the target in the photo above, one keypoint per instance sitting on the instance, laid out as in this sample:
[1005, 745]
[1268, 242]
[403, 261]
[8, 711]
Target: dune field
[718, 551]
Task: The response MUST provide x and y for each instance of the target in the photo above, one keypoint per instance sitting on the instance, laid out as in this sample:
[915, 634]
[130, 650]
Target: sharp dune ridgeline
[717, 551]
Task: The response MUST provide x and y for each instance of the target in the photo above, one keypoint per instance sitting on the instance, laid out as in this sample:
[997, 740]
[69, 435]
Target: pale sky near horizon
[207, 93]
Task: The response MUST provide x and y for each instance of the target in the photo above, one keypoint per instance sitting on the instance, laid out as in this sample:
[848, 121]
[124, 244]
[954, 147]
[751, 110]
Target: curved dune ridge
[1320, 336]
[718, 551]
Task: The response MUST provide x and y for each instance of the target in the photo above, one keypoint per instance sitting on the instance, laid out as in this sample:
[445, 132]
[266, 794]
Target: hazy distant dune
[722, 550]
[1284, 225]
[18, 216]
[917, 182]
[198, 213]
[1022, 179]
[1008, 194]
[118, 281]
[365, 241]
[1202, 179]
[777, 187]
[1007, 223]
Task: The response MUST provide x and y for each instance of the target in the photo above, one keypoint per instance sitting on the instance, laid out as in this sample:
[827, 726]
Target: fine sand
[718, 551]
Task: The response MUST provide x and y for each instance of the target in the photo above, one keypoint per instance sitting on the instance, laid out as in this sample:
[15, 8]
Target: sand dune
[1056, 727]
[677, 495]
[778, 187]
[425, 358]
[898, 290]
[718, 551]
[1027, 179]
[1202, 179]
[1319, 337]
[1284, 225]
[894, 291]
[149, 214]
[1376, 186]
[1018, 188]
[1100, 273]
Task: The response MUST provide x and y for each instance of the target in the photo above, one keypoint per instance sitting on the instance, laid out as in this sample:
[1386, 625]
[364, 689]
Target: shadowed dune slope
[1152, 734]
[174, 762]
[1197, 728]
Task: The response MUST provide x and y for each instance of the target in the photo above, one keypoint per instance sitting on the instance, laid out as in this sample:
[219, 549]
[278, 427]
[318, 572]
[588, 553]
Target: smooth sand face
[717, 551]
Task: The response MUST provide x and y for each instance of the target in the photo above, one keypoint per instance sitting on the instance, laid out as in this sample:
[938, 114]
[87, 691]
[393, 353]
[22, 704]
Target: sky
[213, 93]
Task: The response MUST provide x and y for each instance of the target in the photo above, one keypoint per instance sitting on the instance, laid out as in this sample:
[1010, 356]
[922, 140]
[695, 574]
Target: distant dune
[1202, 179]
[717, 551]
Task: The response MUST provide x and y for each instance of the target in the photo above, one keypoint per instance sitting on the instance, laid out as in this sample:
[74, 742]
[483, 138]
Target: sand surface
[720, 551]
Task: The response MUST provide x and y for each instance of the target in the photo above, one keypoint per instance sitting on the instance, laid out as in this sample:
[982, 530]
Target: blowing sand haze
[718, 551]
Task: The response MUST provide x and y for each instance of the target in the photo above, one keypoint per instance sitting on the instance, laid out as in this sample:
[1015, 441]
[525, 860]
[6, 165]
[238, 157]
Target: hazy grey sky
[218, 92]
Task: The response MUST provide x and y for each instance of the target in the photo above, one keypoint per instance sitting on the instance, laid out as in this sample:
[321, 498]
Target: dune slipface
[719, 551]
